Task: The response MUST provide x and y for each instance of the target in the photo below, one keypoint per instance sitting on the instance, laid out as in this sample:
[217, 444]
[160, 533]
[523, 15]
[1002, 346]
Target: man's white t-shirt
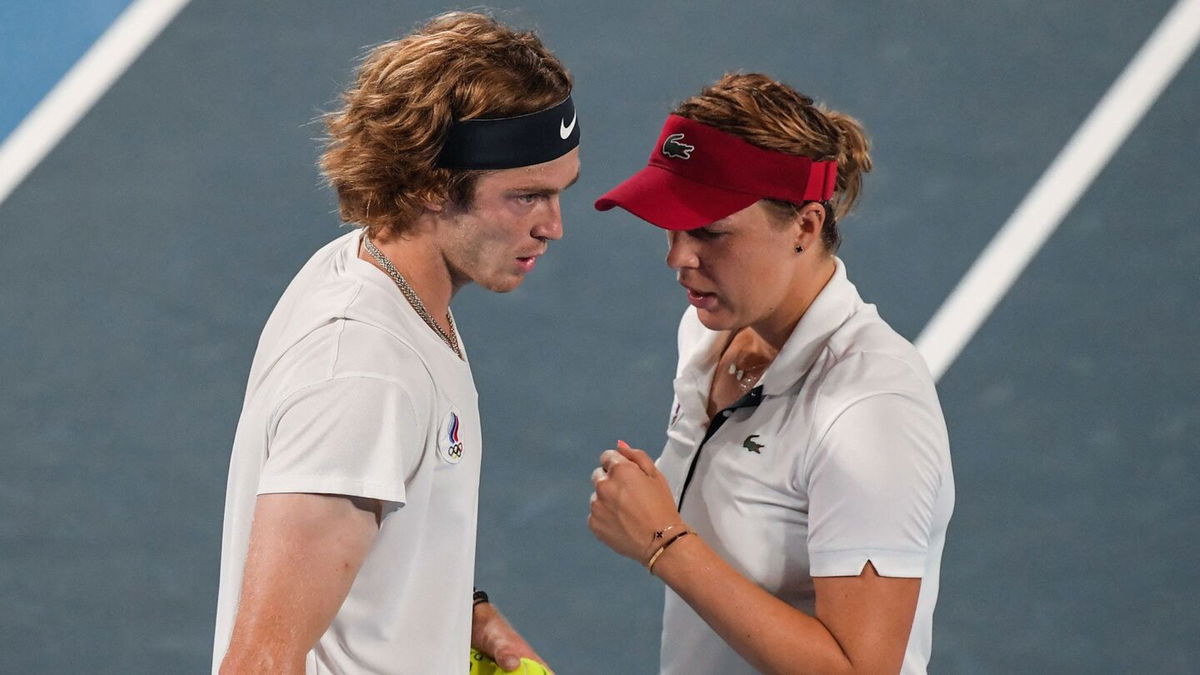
[351, 393]
[839, 457]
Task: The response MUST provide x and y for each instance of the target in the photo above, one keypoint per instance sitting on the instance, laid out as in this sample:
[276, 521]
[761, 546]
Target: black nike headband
[510, 142]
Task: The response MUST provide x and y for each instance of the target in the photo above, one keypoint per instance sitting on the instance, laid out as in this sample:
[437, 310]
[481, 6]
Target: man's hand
[494, 636]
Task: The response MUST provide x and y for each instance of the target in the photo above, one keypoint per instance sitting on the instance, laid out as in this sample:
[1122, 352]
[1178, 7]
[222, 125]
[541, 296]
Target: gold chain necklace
[451, 338]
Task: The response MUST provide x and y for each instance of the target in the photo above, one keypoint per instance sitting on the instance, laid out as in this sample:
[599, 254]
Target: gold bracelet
[659, 552]
[658, 534]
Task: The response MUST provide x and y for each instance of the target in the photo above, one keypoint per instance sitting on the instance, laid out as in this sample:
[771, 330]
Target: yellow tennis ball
[483, 665]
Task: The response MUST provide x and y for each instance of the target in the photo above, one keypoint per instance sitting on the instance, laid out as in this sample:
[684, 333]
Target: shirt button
[726, 413]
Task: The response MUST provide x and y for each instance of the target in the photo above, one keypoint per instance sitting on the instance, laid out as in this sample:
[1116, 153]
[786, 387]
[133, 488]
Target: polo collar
[836, 302]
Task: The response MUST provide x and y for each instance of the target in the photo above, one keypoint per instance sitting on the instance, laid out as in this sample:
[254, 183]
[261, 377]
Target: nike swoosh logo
[565, 130]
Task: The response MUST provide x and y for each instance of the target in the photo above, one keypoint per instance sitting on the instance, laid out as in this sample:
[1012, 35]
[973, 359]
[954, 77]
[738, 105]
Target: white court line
[1060, 187]
[81, 87]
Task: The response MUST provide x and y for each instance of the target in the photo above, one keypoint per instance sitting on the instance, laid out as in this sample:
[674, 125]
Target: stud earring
[799, 248]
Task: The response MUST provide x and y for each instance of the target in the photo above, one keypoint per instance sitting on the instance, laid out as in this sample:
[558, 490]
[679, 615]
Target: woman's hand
[631, 503]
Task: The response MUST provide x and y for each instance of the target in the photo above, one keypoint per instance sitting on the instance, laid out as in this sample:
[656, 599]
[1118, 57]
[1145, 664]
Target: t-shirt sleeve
[358, 436]
[873, 482]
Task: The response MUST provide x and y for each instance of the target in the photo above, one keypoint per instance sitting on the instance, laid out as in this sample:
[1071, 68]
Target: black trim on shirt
[750, 400]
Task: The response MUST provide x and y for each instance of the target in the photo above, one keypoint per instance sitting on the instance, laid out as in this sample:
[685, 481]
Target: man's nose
[550, 227]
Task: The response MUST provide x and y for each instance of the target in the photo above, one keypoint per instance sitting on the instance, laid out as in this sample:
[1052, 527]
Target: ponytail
[853, 158]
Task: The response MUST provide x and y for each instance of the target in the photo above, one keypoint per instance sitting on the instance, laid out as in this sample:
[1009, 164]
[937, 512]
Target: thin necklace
[450, 339]
[746, 377]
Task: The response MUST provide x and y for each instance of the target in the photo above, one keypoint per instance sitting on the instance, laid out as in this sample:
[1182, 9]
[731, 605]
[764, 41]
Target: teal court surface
[141, 256]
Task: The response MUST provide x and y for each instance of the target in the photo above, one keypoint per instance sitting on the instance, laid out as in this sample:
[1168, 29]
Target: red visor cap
[698, 174]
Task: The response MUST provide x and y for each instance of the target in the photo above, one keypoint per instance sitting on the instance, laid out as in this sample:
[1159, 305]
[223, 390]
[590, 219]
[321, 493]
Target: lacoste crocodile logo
[750, 445]
[673, 147]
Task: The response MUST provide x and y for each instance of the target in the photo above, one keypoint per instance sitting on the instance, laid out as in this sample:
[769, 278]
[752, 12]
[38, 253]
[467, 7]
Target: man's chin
[505, 285]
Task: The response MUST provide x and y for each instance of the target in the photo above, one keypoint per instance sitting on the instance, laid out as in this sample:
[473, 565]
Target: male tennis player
[349, 537]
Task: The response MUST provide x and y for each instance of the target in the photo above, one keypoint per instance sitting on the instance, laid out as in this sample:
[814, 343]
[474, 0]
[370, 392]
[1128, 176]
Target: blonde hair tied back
[774, 116]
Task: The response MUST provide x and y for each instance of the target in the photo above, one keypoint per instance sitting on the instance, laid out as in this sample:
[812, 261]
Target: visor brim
[672, 202]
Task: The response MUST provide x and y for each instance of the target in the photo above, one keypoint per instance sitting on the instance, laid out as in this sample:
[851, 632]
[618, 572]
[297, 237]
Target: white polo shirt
[351, 393]
[838, 457]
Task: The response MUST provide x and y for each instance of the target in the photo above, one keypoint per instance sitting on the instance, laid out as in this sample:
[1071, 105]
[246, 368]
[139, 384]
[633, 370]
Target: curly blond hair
[771, 115]
[384, 141]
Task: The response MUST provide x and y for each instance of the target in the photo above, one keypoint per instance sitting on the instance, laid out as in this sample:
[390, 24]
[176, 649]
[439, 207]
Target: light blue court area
[39, 42]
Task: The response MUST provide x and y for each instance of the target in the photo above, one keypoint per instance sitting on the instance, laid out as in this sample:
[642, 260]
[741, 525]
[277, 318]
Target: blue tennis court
[142, 255]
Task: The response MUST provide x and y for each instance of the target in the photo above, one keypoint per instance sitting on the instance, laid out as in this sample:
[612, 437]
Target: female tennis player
[798, 511]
